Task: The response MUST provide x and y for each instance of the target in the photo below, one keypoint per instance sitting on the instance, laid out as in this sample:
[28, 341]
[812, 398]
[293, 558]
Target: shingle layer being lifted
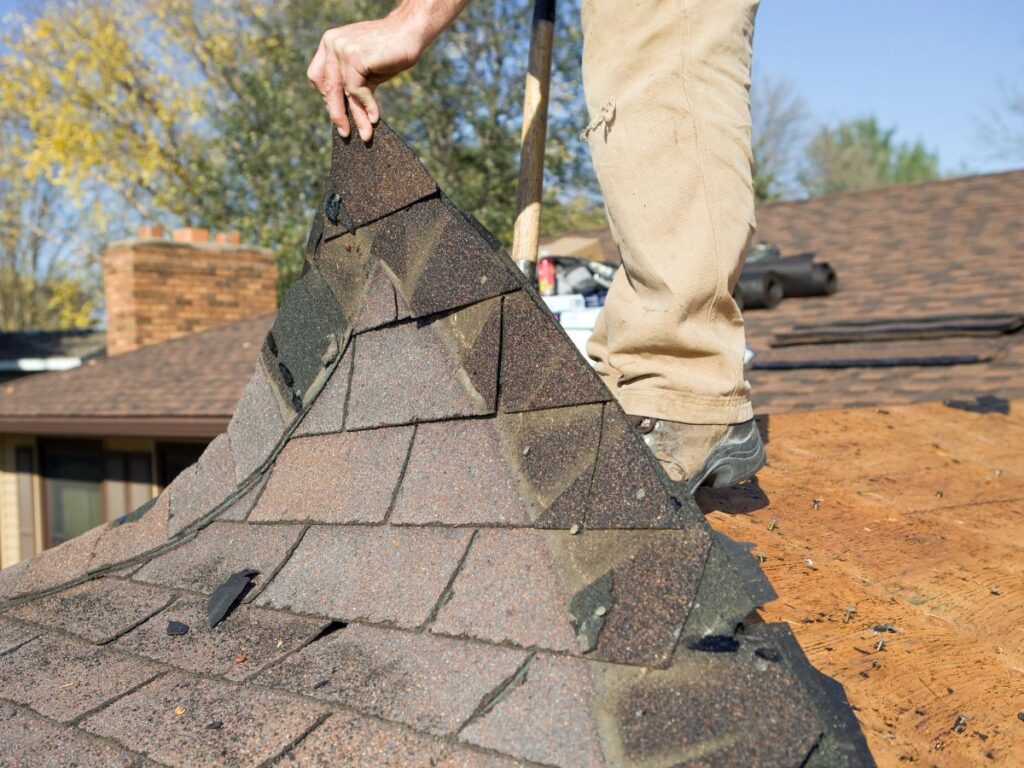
[451, 549]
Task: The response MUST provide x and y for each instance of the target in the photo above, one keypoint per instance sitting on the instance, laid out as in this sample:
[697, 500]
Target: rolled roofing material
[799, 275]
[903, 329]
[886, 354]
[762, 290]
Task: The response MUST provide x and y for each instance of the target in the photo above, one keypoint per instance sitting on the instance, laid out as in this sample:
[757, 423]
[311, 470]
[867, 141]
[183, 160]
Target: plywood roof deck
[913, 516]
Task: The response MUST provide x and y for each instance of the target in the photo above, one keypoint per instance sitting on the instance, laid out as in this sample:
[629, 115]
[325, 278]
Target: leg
[670, 78]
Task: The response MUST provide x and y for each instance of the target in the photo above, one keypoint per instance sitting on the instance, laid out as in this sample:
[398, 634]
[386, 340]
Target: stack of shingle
[437, 540]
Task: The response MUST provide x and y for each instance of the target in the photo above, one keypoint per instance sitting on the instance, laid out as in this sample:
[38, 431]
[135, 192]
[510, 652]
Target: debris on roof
[429, 531]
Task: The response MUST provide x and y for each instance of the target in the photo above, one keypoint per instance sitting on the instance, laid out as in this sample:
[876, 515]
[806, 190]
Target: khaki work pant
[667, 86]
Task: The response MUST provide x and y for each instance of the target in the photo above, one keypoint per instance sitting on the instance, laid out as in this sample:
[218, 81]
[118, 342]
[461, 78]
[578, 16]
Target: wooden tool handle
[535, 127]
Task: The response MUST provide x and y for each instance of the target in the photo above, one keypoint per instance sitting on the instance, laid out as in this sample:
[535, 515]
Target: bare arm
[353, 60]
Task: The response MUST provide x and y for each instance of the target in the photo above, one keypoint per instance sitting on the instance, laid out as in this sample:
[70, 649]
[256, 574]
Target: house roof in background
[183, 387]
[30, 350]
[428, 536]
[939, 248]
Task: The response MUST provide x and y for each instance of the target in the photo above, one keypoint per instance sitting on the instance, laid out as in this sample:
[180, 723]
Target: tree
[198, 111]
[1003, 130]
[779, 116]
[860, 155]
[46, 276]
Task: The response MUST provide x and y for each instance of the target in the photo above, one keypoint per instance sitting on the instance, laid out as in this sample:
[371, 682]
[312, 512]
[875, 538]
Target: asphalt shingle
[509, 591]
[440, 260]
[455, 370]
[545, 717]
[98, 611]
[389, 177]
[256, 427]
[38, 743]
[219, 550]
[170, 720]
[63, 679]
[450, 570]
[347, 478]
[460, 476]
[246, 641]
[203, 486]
[431, 683]
[369, 573]
[540, 367]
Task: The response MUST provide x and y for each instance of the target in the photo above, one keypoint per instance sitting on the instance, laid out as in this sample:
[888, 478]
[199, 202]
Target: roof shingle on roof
[521, 585]
[939, 248]
[199, 377]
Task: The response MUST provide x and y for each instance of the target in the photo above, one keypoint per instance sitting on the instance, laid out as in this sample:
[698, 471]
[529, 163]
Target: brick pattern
[466, 557]
[158, 290]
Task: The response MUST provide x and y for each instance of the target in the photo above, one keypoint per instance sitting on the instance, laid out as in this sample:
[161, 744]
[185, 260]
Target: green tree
[198, 111]
[859, 154]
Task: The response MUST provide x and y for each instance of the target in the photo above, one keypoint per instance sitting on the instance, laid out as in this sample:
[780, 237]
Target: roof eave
[115, 426]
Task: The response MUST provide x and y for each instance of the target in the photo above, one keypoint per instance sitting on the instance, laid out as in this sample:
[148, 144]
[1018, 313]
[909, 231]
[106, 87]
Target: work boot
[715, 455]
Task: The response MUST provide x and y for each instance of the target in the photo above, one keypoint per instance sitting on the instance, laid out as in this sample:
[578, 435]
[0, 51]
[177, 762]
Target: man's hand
[353, 60]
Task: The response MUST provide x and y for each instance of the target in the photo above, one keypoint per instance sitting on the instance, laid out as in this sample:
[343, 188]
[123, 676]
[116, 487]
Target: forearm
[426, 19]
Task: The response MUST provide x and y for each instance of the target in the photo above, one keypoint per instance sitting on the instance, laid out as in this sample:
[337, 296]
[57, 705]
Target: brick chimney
[159, 289]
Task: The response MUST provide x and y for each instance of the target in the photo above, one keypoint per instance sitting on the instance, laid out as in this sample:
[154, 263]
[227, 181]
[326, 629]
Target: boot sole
[736, 458]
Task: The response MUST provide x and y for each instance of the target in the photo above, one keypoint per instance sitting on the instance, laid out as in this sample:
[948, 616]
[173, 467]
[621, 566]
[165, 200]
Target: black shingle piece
[29, 741]
[226, 596]
[732, 707]
[257, 425]
[378, 178]
[440, 261]
[426, 370]
[630, 490]
[379, 305]
[540, 367]
[554, 453]
[98, 610]
[309, 316]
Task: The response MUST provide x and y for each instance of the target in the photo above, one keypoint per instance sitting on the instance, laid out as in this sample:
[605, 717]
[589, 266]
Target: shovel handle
[535, 127]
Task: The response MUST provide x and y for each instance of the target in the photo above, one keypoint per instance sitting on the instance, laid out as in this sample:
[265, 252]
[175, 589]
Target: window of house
[84, 485]
[72, 494]
[173, 458]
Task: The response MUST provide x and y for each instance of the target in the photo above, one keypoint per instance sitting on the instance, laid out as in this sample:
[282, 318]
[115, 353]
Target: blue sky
[931, 68]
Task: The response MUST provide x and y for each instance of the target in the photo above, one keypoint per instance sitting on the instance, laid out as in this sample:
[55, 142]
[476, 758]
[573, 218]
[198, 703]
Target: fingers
[334, 94]
[315, 71]
[365, 111]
